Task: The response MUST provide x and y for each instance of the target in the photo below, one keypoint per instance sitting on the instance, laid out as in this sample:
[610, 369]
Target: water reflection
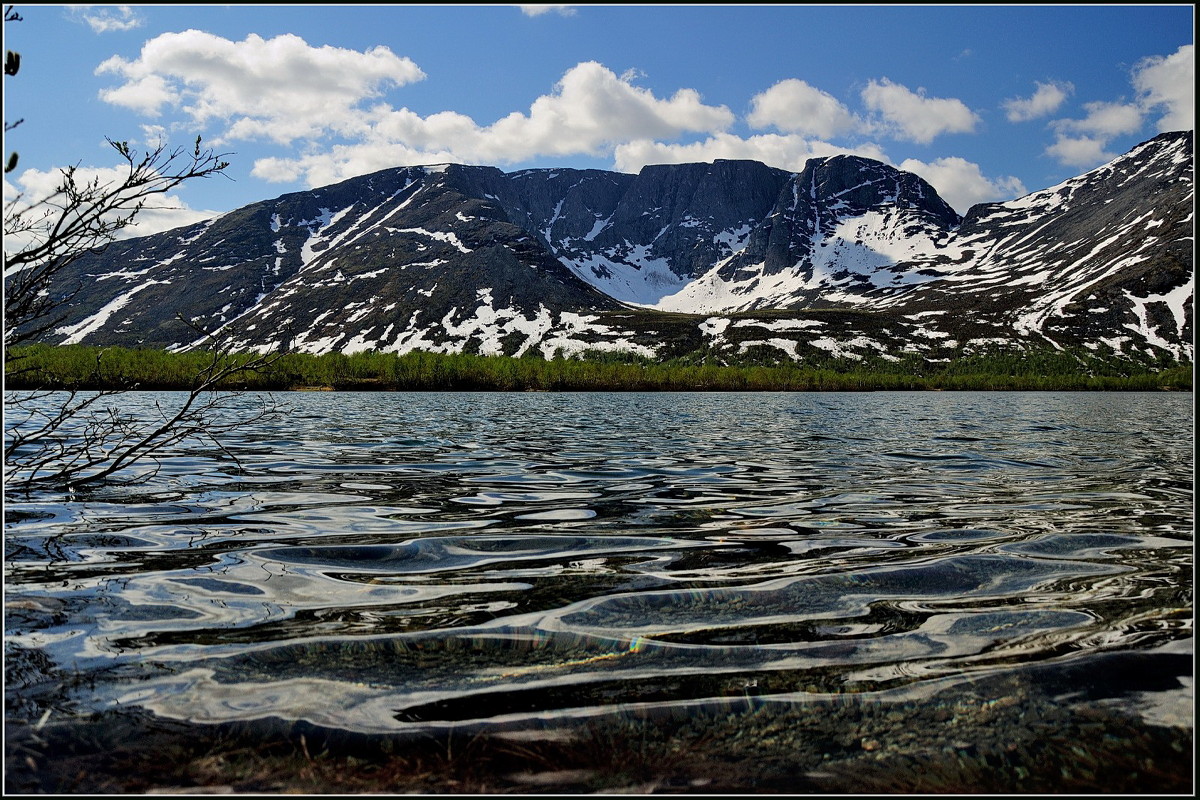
[383, 561]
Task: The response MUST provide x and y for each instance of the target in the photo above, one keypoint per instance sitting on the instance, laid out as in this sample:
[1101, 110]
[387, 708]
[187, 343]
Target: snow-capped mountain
[839, 227]
[1103, 258]
[846, 257]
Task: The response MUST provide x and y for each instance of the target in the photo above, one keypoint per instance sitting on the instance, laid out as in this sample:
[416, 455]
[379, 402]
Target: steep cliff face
[668, 225]
[847, 256]
[841, 226]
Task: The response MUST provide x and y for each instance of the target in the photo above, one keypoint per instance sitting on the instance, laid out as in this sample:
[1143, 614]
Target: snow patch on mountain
[489, 326]
[200, 231]
[75, 333]
[633, 277]
[577, 333]
[441, 236]
[734, 239]
[1175, 301]
[781, 324]
[325, 219]
[788, 346]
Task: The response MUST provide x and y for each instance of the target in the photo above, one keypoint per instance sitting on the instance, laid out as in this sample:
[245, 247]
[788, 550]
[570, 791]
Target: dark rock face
[828, 190]
[639, 237]
[459, 257]
[678, 211]
[563, 205]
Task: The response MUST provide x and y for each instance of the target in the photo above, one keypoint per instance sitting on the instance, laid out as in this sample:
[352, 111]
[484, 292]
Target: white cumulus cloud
[912, 116]
[962, 184]
[1167, 85]
[1045, 101]
[1104, 120]
[591, 110]
[1083, 142]
[280, 89]
[102, 19]
[793, 106]
[1080, 151]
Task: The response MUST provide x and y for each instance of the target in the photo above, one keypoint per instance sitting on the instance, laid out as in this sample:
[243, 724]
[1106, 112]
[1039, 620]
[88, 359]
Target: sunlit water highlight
[392, 561]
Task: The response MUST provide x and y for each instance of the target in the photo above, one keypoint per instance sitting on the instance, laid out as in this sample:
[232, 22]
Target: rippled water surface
[390, 561]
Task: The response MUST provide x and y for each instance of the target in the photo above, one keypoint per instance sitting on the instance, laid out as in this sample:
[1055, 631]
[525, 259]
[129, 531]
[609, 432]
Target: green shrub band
[80, 367]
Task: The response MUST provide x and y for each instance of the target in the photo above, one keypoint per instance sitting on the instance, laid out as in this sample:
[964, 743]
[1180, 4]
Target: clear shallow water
[394, 561]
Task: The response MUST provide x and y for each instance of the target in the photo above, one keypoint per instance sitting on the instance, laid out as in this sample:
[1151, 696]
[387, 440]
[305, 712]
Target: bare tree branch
[66, 440]
[79, 217]
[63, 440]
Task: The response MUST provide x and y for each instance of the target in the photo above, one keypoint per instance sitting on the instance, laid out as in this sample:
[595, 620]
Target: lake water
[385, 562]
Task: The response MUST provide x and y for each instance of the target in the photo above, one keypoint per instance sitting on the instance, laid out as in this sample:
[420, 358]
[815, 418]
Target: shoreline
[697, 390]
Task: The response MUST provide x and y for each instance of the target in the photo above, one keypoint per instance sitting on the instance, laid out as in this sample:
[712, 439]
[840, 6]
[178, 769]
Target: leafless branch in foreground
[81, 216]
[61, 441]
[65, 440]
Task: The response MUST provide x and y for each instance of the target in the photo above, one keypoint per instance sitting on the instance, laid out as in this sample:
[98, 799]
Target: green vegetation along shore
[79, 367]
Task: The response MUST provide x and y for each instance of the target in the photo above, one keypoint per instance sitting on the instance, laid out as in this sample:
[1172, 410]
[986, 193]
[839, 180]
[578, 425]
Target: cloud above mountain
[329, 110]
[1045, 101]
[912, 116]
[1164, 86]
[281, 89]
[330, 104]
[792, 106]
[591, 110]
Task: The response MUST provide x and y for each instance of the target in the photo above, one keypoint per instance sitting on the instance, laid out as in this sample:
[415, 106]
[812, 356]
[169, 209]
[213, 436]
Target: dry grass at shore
[764, 750]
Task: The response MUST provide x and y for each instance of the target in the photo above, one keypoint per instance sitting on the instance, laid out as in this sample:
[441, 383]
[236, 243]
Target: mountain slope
[846, 258]
[1103, 258]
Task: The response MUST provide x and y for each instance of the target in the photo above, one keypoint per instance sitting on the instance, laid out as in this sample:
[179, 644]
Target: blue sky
[985, 102]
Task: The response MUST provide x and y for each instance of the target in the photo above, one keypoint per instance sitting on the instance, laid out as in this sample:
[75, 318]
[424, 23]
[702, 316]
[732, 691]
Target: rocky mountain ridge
[846, 258]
